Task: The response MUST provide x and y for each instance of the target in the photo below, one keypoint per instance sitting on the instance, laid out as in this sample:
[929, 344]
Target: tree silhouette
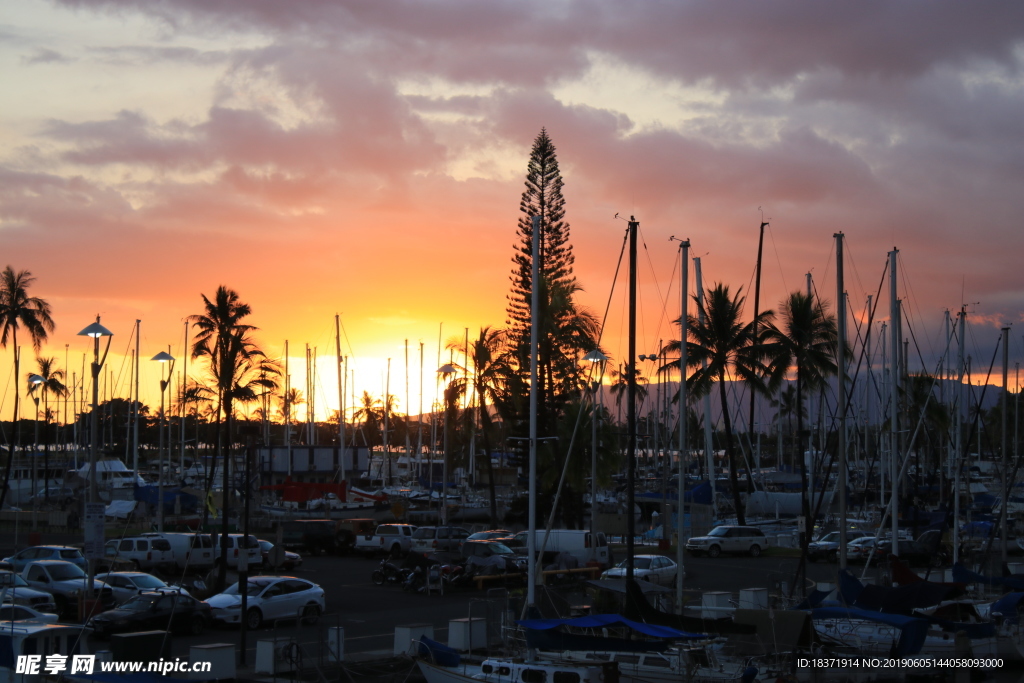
[19, 310]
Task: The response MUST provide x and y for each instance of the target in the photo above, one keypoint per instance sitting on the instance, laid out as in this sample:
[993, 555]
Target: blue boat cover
[442, 655]
[813, 600]
[699, 494]
[912, 629]
[1007, 606]
[965, 575]
[898, 600]
[609, 620]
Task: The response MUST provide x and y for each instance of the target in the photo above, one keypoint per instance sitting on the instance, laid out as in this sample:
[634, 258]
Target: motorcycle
[388, 572]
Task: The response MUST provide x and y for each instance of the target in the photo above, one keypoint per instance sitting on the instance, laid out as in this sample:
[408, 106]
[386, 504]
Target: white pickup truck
[394, 539]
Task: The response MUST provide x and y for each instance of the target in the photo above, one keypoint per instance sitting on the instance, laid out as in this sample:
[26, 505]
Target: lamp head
[36, 379]
[96, 330]
[446, 369]
[162, 357]
[595, 356]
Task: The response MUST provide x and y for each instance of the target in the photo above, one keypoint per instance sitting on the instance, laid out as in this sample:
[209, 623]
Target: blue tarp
[965, 575]
[912, 629]
[699, 494]
[609, 621]
[442, 655]
[151, 496]
[813, 600]
[1007, 606]
[898, 600]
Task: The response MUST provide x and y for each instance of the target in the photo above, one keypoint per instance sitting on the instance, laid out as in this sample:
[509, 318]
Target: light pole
[35, 381]
[93, 545]
[163, 358]
[594, 356]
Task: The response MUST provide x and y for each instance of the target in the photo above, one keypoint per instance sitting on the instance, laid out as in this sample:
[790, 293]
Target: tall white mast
[841, 391]
[341, 395]
[684, 247]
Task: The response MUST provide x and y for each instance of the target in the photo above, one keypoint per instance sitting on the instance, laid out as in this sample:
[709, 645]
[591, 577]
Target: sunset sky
[367, 158]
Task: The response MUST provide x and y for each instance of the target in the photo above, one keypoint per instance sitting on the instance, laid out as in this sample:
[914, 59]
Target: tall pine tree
[567, 332]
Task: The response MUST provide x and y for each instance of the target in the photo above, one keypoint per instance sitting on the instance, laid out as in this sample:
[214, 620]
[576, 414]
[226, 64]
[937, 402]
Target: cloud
[44, 55]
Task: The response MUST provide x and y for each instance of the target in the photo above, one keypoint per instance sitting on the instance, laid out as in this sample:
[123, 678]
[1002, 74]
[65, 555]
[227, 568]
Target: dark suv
[315, 536]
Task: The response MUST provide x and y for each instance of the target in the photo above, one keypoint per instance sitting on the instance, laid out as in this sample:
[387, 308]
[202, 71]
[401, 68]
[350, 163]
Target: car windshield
[140, 603]
[830, 538]
[253, 589]
[719, 531]
[8, 579]
[148, 581]
[500, 549]
[423, 532]
[63, 572]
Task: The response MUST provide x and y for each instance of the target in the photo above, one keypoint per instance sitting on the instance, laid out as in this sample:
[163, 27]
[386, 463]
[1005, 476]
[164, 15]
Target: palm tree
[18, 309]
[52, 384]
[224, 340]
[727, 346]
[807, 340]
[490, 380]
[786, 407]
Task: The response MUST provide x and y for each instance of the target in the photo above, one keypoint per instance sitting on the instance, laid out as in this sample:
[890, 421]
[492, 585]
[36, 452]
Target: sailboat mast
[757, 303]
[684, 247]
[1004, 418]
[341, 396]
[894, 399]
[841, 367]
[709, 454]
[631, 404]
[135, 408]
[959, 400]
[531, 541]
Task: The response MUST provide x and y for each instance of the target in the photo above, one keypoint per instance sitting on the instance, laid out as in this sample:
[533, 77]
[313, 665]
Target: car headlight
[75, 592]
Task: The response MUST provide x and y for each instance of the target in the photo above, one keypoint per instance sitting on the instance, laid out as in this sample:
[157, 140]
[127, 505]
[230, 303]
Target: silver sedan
[653, 568]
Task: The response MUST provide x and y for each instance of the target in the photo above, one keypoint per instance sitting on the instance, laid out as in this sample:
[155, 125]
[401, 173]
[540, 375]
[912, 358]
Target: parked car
[587, 548]
[126, 585]
[23, 613]
[493, 555]
[238, 545]
[652, 568]
[859, 549]
[394, 539]
[65, 581]
[433, 539]
[59, 495]
[502, 535]
[827, 547]
[729, 539]
[270, 598]
[290, 562]
[20, 560]
[145, 552]
[189, 552]
[14, 590]
[154, 611]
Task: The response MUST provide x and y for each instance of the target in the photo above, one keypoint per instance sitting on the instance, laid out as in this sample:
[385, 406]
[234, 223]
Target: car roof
[125, 574]
[53, 547]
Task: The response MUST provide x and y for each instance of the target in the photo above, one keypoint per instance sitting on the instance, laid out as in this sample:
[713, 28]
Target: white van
[238, 544]
[575, 542]
[190, 551]
[144, 552]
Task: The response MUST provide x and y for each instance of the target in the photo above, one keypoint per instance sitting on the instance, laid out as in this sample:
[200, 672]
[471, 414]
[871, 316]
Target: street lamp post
[164, 358]
[95, 549]
[35, 381]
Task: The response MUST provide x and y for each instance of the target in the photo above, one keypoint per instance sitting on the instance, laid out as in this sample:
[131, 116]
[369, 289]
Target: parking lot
[370, 613]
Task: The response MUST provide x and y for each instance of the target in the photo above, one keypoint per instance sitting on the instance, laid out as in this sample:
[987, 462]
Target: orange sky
[368, 161]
